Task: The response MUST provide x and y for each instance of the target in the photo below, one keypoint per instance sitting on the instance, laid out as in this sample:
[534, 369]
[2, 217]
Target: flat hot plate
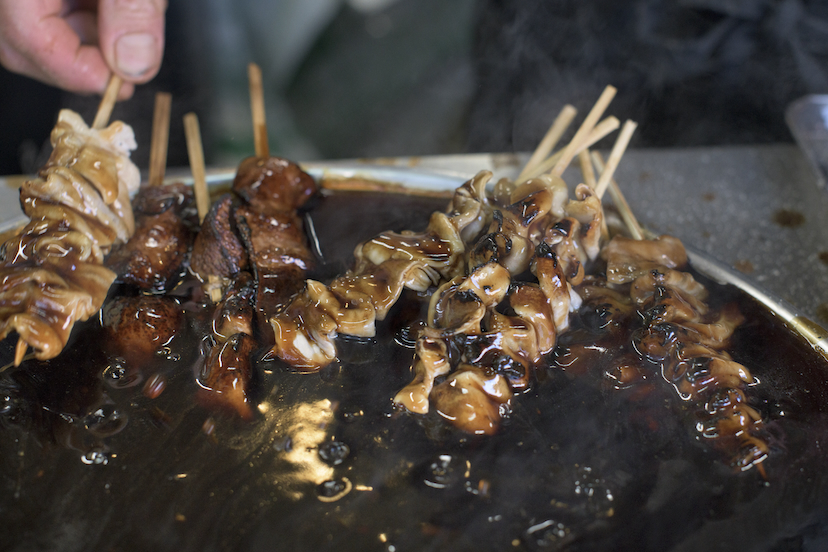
[89, 462]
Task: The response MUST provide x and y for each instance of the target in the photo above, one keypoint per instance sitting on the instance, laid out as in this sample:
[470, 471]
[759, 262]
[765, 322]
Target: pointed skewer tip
[20, 351]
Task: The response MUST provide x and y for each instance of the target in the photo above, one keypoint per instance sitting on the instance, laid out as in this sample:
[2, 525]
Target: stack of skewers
[488, 329]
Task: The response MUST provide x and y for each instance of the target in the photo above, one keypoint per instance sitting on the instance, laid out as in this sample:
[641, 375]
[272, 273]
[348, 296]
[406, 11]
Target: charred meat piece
[258, 229]
[235, 313]
[217, 250]
[265, 235]
[137, 327]
[154, 200]
[153, 256]
[272, 240]
[256, 238]
[225, 378]
[278, 257]
[272, 185]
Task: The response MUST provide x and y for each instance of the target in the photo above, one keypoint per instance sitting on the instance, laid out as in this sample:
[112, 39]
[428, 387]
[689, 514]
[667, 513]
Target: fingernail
[136, 53]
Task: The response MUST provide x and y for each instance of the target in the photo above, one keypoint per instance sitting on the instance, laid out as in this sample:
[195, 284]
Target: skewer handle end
[110, 96]
[257, 107]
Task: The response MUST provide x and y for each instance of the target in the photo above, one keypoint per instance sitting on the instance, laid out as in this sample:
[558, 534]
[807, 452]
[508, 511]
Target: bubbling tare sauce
[607, 446]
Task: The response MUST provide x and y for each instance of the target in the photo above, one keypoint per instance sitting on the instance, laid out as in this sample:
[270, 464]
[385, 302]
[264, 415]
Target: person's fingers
[131, 37]
[85, 25]
[126, 91]
[42, 45]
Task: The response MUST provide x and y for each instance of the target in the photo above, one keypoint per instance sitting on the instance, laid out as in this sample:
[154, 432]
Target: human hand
[77, 44]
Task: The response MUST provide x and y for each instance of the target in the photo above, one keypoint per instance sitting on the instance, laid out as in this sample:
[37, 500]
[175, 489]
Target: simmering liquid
[99, 452]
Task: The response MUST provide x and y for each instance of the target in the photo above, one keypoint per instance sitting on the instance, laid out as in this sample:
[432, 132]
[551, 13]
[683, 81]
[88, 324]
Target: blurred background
[371, 78]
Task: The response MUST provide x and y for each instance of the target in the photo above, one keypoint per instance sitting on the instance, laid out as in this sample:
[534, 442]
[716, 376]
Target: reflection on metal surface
[816, 335]
[304, 424]
[363, 184]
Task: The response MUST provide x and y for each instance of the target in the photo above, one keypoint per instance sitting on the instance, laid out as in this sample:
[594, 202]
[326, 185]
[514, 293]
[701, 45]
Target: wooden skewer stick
[20, 351]
[357, 184]
[107, 102]
[620, 201]
[586, 168]
[196, 154]
[615, 156]
[160, 138]
[254, 75]
[601, 130]
[590, 121]
[550, 140]
[589, 179]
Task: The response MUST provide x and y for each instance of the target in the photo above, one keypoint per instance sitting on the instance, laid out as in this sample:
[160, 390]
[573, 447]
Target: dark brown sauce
[87, 461]
[788, 218]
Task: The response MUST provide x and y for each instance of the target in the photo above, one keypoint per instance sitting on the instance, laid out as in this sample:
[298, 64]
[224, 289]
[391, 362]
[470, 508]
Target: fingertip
[131, 34]
[137, 57]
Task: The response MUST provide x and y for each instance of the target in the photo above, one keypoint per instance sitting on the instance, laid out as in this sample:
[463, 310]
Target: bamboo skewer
[254, 75]
[619, 200]
[20, 351]
[585, 129]
[160, 138]
[589, 179]
[107, 102]
[615, 156]
[600, 131]
[358, 184]
[549, 141]
[586, 168]
[196, 154]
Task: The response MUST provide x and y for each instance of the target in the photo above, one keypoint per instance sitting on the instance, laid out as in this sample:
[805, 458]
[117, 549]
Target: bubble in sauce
[9, 401]
[96, 458]
[350, 413]
[334, 453]
[105, 420]
[167, 354]
[548, 534]
[333, 489]
[118, 374]
[444, 471]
